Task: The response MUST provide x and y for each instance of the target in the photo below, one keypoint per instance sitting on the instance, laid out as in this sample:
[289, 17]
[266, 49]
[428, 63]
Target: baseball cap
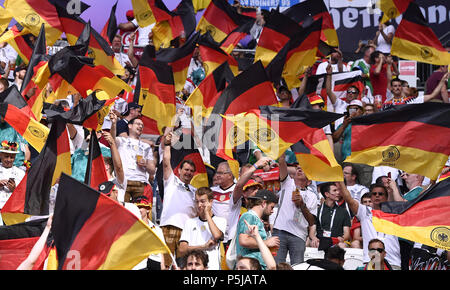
[265, 194]
[316, 99]
[129, 107]
[142, 201]
[356, 103]
[130, 14]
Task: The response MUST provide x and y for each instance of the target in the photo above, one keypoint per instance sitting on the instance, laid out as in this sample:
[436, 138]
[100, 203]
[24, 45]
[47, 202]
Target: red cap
[130, 14]
[252, 182]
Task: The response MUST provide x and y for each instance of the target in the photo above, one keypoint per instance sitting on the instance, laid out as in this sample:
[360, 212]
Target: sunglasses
[352, 92]
[379, 250]
[377, 193]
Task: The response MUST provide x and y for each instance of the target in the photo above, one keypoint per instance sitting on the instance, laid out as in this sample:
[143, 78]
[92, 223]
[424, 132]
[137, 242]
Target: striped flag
[110, 29]
[19, 39]
[95, 169]
[413, 137]
[80, 217]
[32, 195]
[150, 11]
[392, 8]
[424, 220]
[415, 40]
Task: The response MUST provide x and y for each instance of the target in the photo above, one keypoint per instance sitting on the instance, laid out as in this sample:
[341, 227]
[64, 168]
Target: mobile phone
[11, 179]
[389, 174]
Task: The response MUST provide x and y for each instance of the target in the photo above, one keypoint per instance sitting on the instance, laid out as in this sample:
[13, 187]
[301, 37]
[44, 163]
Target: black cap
[129, 107]
[265, 194]
[283, 88]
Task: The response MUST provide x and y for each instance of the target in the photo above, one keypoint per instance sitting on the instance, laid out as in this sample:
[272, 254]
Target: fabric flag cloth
[220, 19]
[413, 137]
[187, 149]
[247, 91]
[276, 33]
[200, 4]
[78, 31]
[148, 12]
[13, 97]
[316, 158]
[315, 9]
[5, 19]
[80, 72]
[20, 39]
[157, 91]
[33, 13]
[234, 37]
[179, 59]
[275, 129]
[415, 40]
[205, 96]
[213, 56]
[31, 130]
[392, 8]
[95, 170]
[31, 197]
[110, 29]
[81, 216]
[424, 220]
[181, 22]
[298, 54]
[17, 241]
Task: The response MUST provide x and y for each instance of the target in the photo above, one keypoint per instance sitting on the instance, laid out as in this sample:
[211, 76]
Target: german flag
[315, 156]
[298, 54]
[247, 91]
[392, 8]
[13, 97]
[148, 12]
[220, 19]
[415, 40]
[157, 90]
[187, 149]
[204, 97]
[34, 132]
[19, 39]
[33, 13]
[83, 75]
[275, 129]
[98, 47]
[213, 56]
[110, 28]
[342, 81]
[80, 217]
[248, 11]
[179, 59]
[316, 9]
[85, 113]
[277, 32]
[31, 196]
[413, 138]
[17, 241]
[425, 219]
[5, 19]
[200, 4]
[95, 169]
[233, 38]
[182, 21]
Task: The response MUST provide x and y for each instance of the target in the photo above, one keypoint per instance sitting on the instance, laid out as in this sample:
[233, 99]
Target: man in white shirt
[205, 231]
[10, 175]
[297, 211]
[336, 63]
[137, 159]
[223, 190]
[379, 195]
[179, 196]
[350, 178]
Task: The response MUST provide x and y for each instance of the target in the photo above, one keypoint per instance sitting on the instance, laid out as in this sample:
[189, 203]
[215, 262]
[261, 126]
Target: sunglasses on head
[379, 250]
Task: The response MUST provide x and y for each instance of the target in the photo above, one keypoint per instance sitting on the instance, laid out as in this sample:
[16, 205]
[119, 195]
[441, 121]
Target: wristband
[256, 167]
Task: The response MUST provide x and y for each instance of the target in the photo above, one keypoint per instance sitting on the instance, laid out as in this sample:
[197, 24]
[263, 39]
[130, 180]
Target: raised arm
[330, 92]
[167, 167]
[239, 188]
[301, 89]
[442, 85]
[352, 203]
[265, 251]
[117, 161]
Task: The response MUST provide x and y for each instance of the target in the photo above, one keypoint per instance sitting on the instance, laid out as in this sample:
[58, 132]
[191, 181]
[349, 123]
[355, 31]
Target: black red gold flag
[20, 39]
[275, 129]
[415, 40]
[95, 169]
[413, 137]
[179, 60]
[232, 39]
[80, 217]
[276, 33]
[31, 197]
[110, 29]
[392, 8]
[424, 220]
[220, 19]
[316, 9]
[17, 241]
[5, 18]
[150, 11]
[157, 91]
[181, 23]
[298, 54]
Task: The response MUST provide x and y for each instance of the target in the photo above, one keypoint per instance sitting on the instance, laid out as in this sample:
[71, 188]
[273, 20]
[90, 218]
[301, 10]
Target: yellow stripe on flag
[143, 13]
[410, 50]
[203, 26]
[160, 112]
[264, 54]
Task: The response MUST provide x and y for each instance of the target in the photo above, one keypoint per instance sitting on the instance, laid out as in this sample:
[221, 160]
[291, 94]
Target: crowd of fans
[264, 229]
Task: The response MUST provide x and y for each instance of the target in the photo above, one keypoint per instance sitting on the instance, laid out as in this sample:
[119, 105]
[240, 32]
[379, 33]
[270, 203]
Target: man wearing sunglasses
[377, 255]
[378, 195]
